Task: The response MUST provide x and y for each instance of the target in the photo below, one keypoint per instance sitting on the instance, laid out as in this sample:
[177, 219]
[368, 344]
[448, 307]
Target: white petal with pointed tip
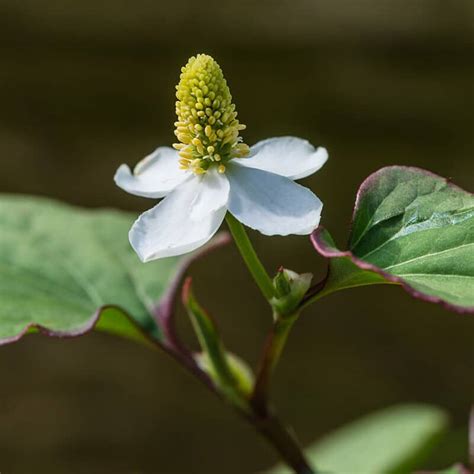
[271, 204]
[180, 223]
[155, 176]
[292, 157]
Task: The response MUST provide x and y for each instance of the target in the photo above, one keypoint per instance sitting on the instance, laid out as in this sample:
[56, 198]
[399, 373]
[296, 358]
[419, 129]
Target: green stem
[250, 257]
[263, 419]
[271, 355]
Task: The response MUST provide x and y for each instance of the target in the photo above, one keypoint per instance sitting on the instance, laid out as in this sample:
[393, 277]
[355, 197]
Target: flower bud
[290, 288]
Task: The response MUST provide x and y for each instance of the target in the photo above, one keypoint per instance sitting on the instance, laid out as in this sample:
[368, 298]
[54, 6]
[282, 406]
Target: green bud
[290, 288]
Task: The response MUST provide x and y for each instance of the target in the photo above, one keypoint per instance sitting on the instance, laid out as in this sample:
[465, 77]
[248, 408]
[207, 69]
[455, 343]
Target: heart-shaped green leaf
[65, 270]
[410, 227]
[391, 441]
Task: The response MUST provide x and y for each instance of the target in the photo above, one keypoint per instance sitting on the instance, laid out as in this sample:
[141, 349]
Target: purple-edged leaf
[410, 227]
[65, 271]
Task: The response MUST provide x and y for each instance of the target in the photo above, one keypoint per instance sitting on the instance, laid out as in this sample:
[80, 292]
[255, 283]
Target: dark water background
[87, 85]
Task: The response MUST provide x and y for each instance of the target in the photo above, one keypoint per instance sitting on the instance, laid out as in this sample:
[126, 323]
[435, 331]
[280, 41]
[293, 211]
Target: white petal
[271, 204]
[292, 157]
[183, 221]
[215, 196]
[155, 176]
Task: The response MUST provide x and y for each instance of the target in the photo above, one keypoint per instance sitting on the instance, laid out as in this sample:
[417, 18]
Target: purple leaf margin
[88, 326]
[331, 252]
[321, 246]
[163, 313]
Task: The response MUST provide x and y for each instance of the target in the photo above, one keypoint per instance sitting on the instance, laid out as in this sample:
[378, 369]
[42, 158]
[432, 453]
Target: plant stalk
[271, 354]
[260, 415]
[284, 442]
[250, 257]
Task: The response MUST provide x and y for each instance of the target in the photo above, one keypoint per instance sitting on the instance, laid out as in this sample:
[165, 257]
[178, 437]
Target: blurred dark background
[88, 85]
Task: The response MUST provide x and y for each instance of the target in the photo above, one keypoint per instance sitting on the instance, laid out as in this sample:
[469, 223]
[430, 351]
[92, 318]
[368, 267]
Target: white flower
[258, 190]
[212, 171]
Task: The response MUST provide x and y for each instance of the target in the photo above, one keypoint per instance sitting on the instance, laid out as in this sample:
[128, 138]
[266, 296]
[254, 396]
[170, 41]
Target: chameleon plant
[410, 228]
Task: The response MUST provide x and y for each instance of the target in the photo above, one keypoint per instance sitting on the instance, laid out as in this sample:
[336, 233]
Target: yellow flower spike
[207, 126]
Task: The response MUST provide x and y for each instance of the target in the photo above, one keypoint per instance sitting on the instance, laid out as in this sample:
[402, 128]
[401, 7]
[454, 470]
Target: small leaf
[230, 375]
[391, 441]
[412, 228]
[65, 271]
[209, 338]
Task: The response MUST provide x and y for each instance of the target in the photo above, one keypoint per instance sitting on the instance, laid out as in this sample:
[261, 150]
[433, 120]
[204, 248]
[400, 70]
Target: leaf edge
[89, 326]
[330, 253]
